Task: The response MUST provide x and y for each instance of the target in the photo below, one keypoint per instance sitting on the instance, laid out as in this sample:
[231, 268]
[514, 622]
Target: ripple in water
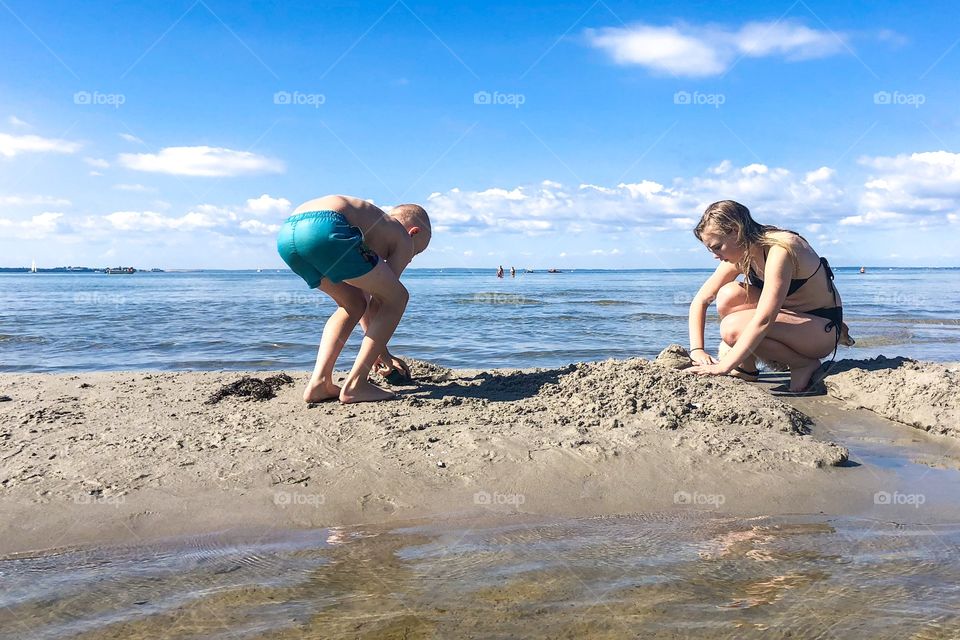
[665, 575]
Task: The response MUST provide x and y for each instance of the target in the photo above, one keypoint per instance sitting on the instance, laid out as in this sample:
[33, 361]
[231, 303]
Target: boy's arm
[400, 258]
[397, 261]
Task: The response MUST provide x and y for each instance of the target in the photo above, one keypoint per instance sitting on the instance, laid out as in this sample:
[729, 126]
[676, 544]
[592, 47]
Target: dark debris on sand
[252, 388]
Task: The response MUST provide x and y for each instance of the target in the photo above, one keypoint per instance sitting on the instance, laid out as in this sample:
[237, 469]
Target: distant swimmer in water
[513, 272]
[500, 271]
[786, 311]
[863, 269]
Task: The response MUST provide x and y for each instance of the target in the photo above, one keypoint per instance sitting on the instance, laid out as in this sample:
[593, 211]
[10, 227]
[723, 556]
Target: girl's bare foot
[845, 338]
[320, 390]
[364, 392]
[745, 374]
[800, 376]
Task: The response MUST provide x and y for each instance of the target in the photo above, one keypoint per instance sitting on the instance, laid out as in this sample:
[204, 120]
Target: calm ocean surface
[457, 317]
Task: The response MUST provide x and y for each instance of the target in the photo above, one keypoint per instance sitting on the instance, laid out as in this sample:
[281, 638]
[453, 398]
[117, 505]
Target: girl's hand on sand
[702, 357]
[709, 369]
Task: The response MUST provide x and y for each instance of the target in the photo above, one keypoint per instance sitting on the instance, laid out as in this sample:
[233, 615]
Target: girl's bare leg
[733, 297]
[795, 339]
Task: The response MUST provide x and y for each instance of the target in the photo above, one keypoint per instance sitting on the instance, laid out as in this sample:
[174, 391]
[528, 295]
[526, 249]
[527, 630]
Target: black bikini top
[795, 283]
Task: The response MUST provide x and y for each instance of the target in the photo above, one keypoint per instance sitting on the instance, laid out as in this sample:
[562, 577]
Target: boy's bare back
[383, 234]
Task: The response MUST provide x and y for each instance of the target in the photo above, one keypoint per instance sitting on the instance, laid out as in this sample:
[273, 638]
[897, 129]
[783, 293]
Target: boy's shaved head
[411, 215]
[414, 216]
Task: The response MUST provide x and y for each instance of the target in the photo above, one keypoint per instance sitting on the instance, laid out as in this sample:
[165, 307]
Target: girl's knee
[730, 328]
[729, 297]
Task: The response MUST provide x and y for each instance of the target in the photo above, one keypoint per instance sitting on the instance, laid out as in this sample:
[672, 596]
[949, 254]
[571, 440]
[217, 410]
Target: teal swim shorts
[322, 244]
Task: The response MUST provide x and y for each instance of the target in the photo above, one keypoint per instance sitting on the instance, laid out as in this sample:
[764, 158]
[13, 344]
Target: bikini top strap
[829, 271]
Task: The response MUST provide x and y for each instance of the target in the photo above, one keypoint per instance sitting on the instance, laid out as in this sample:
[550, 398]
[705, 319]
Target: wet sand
[131, 457]
[924, 395]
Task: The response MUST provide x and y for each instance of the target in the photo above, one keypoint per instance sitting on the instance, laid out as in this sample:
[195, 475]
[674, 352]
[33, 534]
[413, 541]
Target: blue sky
[572, 134]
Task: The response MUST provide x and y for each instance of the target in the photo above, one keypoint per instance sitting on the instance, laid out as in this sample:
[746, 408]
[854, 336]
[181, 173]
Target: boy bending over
[355, 253]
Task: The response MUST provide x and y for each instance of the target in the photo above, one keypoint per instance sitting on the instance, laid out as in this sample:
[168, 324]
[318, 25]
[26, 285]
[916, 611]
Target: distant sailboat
[33, 267]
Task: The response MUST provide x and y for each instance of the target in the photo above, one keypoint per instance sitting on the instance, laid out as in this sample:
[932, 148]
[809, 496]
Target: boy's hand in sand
[392, 363]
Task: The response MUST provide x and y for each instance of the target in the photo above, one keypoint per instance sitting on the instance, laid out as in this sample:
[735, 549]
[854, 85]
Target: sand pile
[619, 404]
[122, 431]
[674, 357]
[925, 395]
[422, 371]
[149, 450]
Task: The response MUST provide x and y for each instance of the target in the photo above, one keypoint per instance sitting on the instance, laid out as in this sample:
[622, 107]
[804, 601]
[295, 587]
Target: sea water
[651, 576]
[687, 573]
[464, 318]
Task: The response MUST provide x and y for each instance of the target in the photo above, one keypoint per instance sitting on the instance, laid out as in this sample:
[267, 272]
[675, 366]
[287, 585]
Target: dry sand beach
[127, 457]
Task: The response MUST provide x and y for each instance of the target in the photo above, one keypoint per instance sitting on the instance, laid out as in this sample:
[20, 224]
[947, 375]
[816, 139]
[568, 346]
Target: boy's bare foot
[800, 376]
[364, 392]
[319, 391]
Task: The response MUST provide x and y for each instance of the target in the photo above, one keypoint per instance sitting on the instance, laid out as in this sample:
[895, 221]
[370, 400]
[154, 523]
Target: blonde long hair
[728, 216]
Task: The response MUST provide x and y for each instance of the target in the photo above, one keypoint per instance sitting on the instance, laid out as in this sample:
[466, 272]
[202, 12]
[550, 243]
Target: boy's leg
[382, 284]
[351, 305]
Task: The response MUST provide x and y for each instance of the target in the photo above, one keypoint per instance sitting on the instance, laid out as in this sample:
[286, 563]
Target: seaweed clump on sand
[252, 388]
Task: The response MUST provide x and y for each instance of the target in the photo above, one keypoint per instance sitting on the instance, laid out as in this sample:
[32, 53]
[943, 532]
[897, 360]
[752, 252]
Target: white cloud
[17, 122]
[701, 51]
[820, 175]
[149, 221]
[917, 188]
[265, 205]
[37, 227]
[873, 218]
[201, 161]
[789, 39]
[19, 201]
[664, 49]
[11, 145]
[259, 228]
[133, 187]
[131, 138]
[97, 163]
[224, 221]
[776, 194]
